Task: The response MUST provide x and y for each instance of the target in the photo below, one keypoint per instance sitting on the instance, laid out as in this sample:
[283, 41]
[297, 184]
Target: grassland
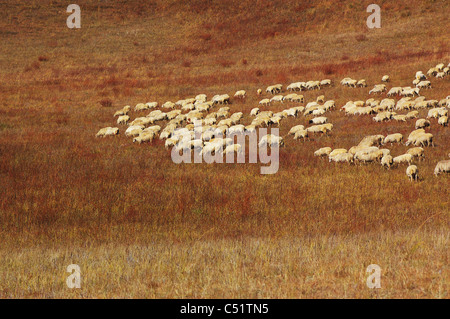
[140, 226]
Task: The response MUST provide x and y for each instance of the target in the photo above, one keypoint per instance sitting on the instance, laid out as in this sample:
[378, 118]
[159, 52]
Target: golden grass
[141, 226]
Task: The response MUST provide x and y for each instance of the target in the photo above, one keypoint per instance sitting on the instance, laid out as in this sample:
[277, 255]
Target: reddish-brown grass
[196, 230]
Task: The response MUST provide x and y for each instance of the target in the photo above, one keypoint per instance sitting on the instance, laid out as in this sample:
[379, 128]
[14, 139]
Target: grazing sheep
[277, 98]
[107, 131]
[320, 99]
[361, 83]
[443, 120]
[318, 120]
[123, 119]
[393, 138]
[403, 159]
[301, 134]
[422, 123]
[385, 78]
[296, 128]
[387, 161]
[412, 172]
[259, 91]
[240, 94]
[134, 130]
[424, 85]
[418, 152]
[326, 82]
[442, 167]
[144, 137]
[324, 151]
[264, 102]
[234, 148]
[394, 91]
[271, 140]
[412, 115]
[372, 140]
[123, 111]
[337, 151]
[341, 158]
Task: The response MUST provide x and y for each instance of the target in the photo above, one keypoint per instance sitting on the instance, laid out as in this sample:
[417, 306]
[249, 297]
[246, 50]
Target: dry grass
[139, 225]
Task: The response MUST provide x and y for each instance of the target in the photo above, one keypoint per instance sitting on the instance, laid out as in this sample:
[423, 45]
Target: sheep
[318, 120]
[320, 99]
[343, 157]
[387, 161]
[420, 76]
[277, 98]
[440, 66]
[259, 91]
[134, 130]
[295, 129]
[326, 82]
[412, 172]
[140, 107]
[240, 94]
[201, 98]
[395, 91]
[264, 102]
[123, 119]
[385, 78]
[393, 138]
[365, 157]
[221, 99]
[371, 140]
[416, 152]
[324, 151]
[424, 85]
[271, 140]
[441, 75]
[424, 139]
[432, 71]
[274, 88]
[412, 115]
[337, 151]
[123, 111]
[442, 167]
[144, 137]
[403, 159]
[107, 131]
[301, 134]
[321, 128]
[422, 123]
[378, 88]
[400, 117]
[233, 148]
[355, 149]
[361, 83]
[443, 120]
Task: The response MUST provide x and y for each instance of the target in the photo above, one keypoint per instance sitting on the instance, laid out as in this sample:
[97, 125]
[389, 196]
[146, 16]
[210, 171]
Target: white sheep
[403, 159]
[385, 78]
[412, 172]
[443, 120]
[341, 158]
[318, 120]
[418, 152]
[422, 123]
[324, 151]
[387, 161]
[107, 131]
[393, 138]
[240, 94]
[442, 167]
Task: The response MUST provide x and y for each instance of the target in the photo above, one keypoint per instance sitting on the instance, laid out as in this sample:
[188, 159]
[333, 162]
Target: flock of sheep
[181, 117]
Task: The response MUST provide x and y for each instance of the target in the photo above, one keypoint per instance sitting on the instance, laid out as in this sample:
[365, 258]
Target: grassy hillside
[69, 197]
